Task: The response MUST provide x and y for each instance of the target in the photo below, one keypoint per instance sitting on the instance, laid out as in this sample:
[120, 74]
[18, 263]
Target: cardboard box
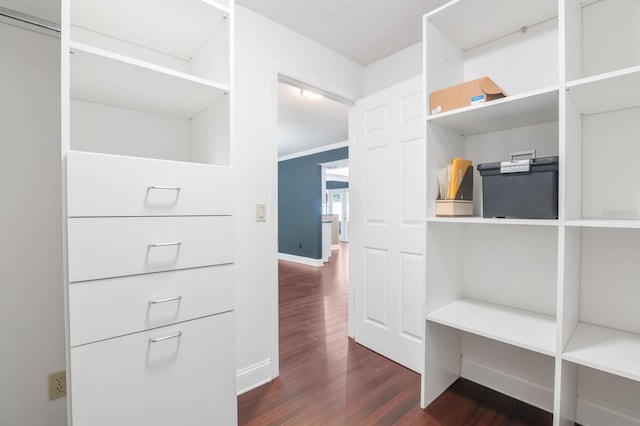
[462, 95]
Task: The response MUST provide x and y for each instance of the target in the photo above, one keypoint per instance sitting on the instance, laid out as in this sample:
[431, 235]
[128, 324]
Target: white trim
[351, 315]
[300, 259]
[532, 393]
[314, 151]
[253, 376]
[590, 413]
[273, 225]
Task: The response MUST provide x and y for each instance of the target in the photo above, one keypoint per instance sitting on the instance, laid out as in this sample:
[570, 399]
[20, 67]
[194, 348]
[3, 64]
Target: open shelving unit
[563, 291]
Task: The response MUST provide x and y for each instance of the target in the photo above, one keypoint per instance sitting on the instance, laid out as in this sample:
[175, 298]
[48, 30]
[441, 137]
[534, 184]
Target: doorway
[338, 205]
[336, 197]
[312, 130]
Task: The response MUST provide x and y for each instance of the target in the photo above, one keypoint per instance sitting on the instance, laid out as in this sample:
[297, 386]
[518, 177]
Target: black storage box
[525, 189]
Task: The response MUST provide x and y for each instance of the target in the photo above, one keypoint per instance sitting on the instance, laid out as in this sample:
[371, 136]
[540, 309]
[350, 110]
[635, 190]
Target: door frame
[278, 74]
[344, 194]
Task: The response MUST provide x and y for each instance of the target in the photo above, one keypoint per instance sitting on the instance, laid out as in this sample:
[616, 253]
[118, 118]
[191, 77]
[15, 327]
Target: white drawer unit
[145, 187]
[176, 375]
[146, 147]
[113, 247]
[103, 309]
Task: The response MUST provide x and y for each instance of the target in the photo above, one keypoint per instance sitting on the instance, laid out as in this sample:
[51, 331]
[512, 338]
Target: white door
[339, 205]
[388, 213]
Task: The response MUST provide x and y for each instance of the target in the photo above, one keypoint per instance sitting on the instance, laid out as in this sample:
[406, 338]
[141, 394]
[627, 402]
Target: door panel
[376, 290]
[387, 236]
[377, 203]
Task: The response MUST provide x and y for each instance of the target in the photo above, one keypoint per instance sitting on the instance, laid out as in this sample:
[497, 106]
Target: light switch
[261, 212]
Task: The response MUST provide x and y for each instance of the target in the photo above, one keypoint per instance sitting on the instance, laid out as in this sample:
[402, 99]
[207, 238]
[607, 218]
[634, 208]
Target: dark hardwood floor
[328, 379]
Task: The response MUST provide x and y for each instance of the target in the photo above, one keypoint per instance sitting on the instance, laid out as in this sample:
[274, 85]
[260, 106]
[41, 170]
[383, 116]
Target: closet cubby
[603, 112]
[598, 392]
[493, 281]
[151, 79]
[501, 39]
[601, 335]
[573, 94]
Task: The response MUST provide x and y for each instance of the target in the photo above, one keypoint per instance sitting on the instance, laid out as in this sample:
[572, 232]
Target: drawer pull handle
[170, 299]
[165, 244]
[160, 339]
[169, 188]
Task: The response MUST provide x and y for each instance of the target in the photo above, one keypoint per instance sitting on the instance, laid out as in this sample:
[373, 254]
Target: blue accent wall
[300, 203]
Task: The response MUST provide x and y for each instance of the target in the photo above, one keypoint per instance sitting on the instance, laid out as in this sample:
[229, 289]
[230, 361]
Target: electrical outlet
[57, 384]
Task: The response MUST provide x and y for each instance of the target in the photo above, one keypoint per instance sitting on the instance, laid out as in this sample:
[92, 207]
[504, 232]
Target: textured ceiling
[305, 124]
[362, 30]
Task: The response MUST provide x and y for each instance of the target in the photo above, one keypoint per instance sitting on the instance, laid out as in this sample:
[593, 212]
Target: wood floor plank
[328, 379]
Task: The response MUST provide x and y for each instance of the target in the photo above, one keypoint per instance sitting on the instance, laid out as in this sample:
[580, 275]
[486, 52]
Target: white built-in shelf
[471, 23]
[494, 221]
[614, 351]
[108, 78]
[176, 28]
[607, 92]
[605, 223]
[539, 106]
[528, 330]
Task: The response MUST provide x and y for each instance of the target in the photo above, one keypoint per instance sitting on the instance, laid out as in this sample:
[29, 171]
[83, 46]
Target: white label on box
[477, 100]
[436, 110]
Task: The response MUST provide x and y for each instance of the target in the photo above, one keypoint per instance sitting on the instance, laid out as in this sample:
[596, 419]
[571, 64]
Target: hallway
[327, 378]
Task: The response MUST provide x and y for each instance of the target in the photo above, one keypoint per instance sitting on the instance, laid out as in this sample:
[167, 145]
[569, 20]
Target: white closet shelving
[150, 225]
[564, 291]
[601, 330]
[484, 290]
[164, 63]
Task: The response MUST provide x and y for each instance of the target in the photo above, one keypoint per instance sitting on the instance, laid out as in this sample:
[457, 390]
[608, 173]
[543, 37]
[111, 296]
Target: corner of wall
[393, 69]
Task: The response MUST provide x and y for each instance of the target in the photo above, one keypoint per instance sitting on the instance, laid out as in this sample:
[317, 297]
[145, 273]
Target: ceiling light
[310, 95]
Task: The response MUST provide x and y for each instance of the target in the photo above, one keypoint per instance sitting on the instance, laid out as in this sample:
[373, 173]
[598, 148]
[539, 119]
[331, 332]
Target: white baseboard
[300, 259]
[589, 413]
[253, 376]
[517, 387]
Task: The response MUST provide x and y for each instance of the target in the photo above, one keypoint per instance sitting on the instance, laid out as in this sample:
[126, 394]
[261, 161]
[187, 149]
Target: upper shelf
[471, 23]
[174, 27]
[607, 92]
[614, 351]
[539, 106]
[528, 330]
[605, 223]
[494, 221]
[116, 80]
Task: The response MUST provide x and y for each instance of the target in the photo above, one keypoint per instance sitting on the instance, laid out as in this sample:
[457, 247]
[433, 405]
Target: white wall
[31, 282]
[264, 48]
[393, 69]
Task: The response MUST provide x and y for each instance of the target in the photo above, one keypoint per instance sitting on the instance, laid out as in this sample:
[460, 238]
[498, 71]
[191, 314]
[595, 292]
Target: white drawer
[187, 380]
[113, 247]
[113, 307]
[112, 185]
